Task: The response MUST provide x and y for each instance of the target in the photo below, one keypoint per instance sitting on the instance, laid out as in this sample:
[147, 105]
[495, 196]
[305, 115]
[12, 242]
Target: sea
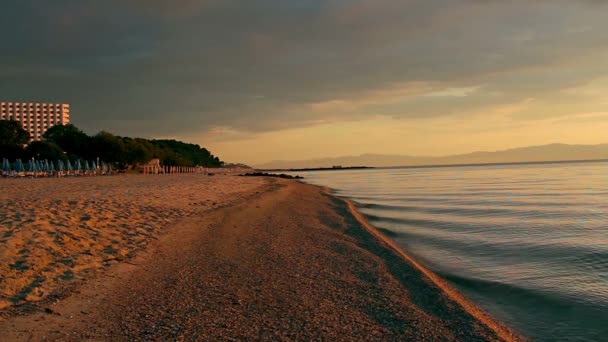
[527, 242]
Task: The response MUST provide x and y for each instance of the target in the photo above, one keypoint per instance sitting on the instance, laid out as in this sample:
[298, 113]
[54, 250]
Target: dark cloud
[169, 67]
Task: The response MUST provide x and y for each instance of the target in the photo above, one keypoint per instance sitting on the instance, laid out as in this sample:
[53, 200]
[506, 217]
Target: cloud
[167, 68]
[454, 92]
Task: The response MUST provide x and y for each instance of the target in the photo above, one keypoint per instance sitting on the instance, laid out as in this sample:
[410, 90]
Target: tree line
[69, 142]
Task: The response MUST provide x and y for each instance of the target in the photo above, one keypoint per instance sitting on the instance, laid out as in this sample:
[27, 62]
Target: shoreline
[472, 308]
[291, 255]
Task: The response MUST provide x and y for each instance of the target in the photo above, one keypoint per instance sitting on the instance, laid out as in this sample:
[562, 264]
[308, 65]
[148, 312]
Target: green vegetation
[69, 142]
[12, 139]
[43, 150]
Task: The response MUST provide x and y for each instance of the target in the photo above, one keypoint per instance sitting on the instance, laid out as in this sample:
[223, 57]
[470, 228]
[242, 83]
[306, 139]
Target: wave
[470, 211]
[479, 248]
[492, 229]
[463, 200]
[543, 308]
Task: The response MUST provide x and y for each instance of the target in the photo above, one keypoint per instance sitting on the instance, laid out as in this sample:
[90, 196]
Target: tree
[11, 152]
[184, 154]
[44, 150]
[11, 133]
[136, 151]
[172, 158]
[69, 138]
[12, 139]
[123, 151]
[107, 147]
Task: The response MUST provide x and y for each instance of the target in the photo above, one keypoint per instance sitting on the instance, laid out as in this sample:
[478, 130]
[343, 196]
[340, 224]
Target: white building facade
[35, 117]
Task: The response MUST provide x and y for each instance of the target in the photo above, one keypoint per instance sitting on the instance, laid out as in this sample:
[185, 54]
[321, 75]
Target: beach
[192, 257]
[54, 231]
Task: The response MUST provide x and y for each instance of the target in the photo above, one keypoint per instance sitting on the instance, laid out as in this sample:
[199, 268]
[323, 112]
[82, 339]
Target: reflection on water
[529, 243]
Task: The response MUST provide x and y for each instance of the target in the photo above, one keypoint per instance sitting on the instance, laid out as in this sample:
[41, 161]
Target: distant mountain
[552, 152]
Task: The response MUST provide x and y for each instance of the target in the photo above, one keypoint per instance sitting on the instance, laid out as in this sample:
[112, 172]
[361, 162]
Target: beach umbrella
[36, 168]
[6, 167]
[78, 166]
[50, 167]
[60, 167]
[19, 166]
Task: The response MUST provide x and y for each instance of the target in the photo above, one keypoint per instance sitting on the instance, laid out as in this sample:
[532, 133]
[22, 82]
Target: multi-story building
[35, 117]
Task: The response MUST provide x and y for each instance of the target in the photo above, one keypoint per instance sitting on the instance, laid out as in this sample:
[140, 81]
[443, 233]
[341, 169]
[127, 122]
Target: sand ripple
[53, 231]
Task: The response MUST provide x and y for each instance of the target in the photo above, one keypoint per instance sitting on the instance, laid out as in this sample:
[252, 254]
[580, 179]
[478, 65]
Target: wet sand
[286, 263]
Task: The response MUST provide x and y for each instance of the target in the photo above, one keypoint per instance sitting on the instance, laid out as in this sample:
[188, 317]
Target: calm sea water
[528, 243]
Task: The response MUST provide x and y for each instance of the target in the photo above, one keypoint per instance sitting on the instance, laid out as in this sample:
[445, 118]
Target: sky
[255, 81]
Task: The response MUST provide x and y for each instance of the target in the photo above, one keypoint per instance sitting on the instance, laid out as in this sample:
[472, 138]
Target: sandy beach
[55, 231]
[190, 258]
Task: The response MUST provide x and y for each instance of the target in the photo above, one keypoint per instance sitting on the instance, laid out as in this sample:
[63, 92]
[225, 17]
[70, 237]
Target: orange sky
[256, 81]
[575, 115]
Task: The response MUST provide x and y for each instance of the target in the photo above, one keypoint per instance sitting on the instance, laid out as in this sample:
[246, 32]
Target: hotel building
[35, 117]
